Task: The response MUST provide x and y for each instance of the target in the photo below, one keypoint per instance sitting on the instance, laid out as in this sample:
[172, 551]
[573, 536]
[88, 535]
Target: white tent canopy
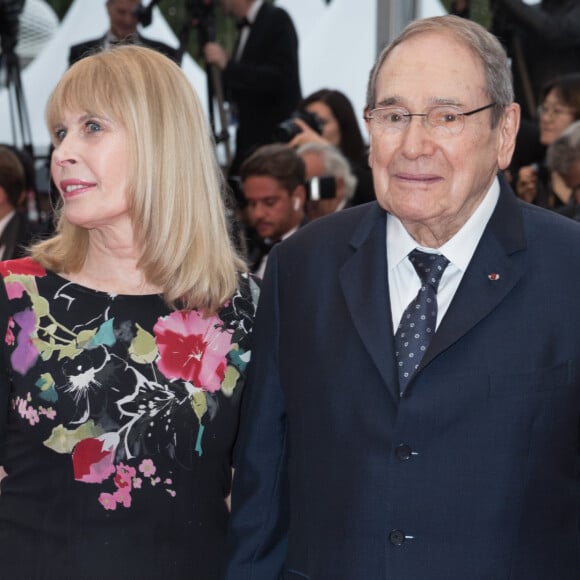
[337, 49]
[85, 19]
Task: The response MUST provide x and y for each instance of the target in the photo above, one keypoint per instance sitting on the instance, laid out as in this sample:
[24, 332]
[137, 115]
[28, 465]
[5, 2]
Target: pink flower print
[9, 338]
[26, 411]
[147, 467]
[192, 348]
[25, 266]
[108, 501]
[123, 496]
[25, 353]
[137, 483]
[49, 413]
[125, 474]
[93, 458]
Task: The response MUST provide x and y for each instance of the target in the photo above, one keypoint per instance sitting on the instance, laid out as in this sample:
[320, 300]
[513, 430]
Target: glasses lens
[448, 120]
[390, 118]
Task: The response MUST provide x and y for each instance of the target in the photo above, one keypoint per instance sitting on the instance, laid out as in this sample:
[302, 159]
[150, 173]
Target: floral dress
[117, 420]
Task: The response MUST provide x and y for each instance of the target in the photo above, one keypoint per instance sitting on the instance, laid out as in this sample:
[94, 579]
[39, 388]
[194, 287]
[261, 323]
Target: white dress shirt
[404, 282]
[245, 32]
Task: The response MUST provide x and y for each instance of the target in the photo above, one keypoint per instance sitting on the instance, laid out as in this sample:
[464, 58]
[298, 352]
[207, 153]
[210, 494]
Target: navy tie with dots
[418, 323]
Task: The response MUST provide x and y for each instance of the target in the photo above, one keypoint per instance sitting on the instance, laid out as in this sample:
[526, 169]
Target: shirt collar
[459, 249]
[253, 11]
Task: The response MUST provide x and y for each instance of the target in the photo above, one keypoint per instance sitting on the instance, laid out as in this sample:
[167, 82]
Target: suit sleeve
[277, 60]
[257, 537]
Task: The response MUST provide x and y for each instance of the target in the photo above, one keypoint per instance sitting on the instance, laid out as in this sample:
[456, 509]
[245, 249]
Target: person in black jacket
[16, 231]
[543, 41]
[123, 16]
[261, 77]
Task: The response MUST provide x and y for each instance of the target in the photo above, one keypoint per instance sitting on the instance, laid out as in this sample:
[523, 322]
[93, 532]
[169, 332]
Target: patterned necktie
[418, 323]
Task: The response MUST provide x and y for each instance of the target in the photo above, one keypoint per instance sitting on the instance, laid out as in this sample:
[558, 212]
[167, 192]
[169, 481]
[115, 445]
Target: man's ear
[508, 128]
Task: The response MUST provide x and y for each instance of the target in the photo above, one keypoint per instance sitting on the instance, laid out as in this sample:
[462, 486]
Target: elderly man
[123, 19]
[413, 406]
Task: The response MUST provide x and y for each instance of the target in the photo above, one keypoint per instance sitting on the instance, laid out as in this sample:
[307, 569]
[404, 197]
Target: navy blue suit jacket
[473, 474]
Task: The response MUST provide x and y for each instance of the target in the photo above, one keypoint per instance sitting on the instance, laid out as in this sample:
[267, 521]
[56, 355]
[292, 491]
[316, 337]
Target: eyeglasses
[446, 120]
[556, 111]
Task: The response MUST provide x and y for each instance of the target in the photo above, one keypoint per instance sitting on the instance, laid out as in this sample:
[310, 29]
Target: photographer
[261, 77]
[543, 41]
[341, 129]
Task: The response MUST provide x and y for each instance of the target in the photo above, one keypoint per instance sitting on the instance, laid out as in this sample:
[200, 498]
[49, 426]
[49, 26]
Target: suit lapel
[255, 35]
[9, 237]
[364, 283]
[492, 274]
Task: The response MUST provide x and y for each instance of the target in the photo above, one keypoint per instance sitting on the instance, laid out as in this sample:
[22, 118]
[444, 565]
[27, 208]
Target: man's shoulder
[85, 48]
[274, 14]
[159, 46]
[342, 227]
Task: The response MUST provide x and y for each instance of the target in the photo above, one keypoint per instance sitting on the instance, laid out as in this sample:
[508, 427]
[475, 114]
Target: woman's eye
[93, 126]
[60, 134]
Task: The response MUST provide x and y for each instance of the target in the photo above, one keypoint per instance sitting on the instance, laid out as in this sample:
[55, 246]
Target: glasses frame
[409, 115]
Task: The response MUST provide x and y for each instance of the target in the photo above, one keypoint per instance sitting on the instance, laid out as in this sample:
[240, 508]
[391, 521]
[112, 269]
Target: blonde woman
[126, 338]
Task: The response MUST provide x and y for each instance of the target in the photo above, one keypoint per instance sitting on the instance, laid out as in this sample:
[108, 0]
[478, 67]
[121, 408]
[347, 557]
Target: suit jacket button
[397, 537]
[403, 452]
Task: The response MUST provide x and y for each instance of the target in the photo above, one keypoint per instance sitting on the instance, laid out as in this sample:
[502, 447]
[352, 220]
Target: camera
[287, 130]
[318, 188]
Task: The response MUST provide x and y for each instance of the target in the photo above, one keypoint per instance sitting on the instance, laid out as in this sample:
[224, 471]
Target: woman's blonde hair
[176, 190]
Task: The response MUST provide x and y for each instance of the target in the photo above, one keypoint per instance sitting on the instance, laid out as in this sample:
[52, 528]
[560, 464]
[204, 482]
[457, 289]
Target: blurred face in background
[330, 128]
[272, 209]
[123, 17]
[555, 116]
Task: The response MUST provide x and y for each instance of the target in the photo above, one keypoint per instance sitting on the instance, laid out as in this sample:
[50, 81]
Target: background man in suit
[15, 229]
[354, 464]
[123, 16]
[261, 77]
[273, 185]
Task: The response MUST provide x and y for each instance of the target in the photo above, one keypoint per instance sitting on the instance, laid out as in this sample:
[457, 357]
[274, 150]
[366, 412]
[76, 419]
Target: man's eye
[446, 117]
[394, 117]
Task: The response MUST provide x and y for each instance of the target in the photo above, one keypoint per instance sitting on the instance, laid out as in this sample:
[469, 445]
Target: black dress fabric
[118, 419]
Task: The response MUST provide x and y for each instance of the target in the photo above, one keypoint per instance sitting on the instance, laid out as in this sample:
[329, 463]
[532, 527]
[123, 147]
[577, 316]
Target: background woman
[125, 339]
[560, 108]
[340, 128]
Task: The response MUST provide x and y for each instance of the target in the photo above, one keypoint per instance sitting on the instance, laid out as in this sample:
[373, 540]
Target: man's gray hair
[481, 42]
[334, 163]
[565, 150]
